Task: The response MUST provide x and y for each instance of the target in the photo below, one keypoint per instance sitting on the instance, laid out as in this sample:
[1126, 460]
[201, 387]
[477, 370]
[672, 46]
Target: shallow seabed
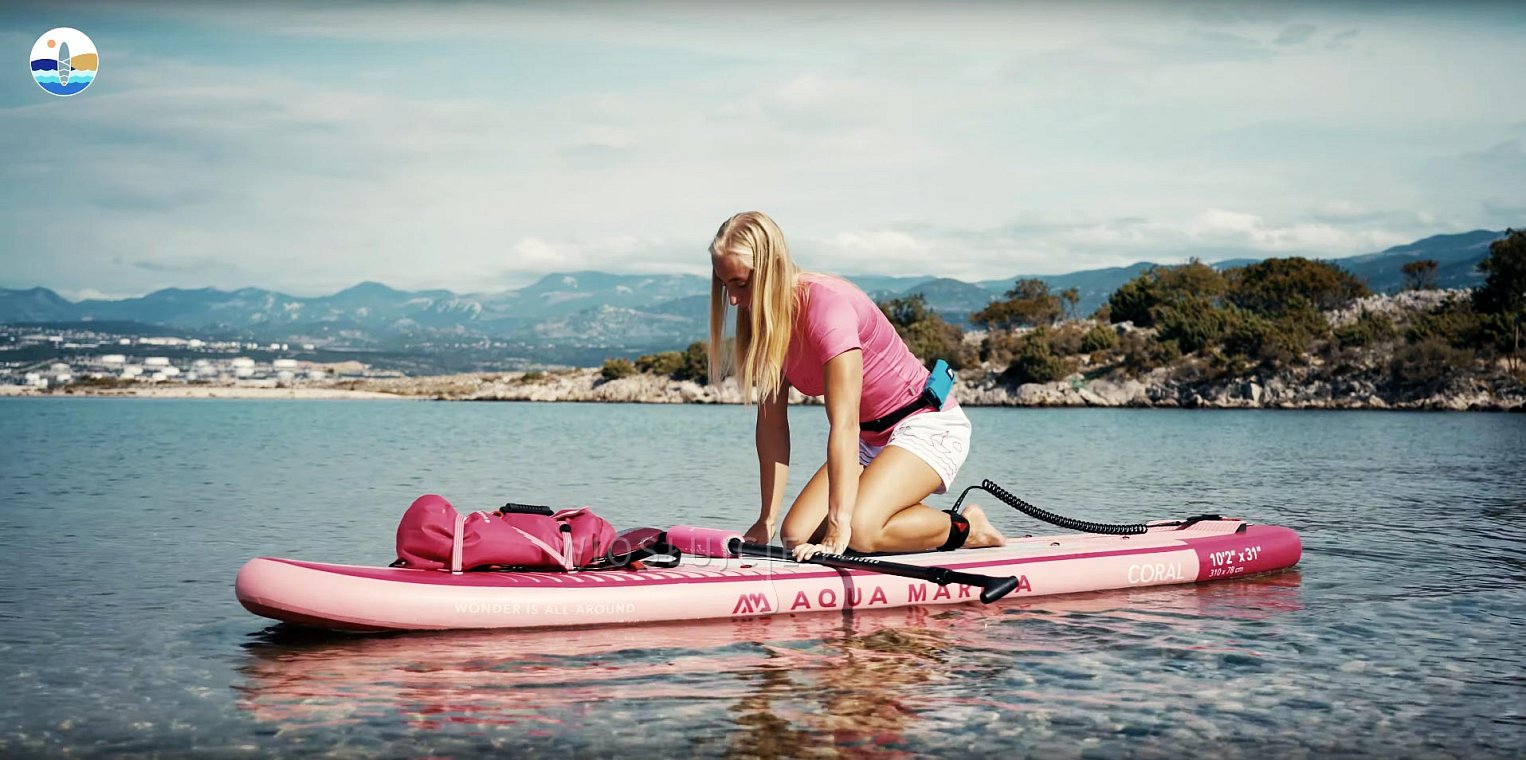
[1401, 632]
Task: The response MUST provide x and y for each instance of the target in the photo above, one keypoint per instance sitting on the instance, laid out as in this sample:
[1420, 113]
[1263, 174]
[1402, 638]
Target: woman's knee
[793, 538]
[801, 526]
[867, 532]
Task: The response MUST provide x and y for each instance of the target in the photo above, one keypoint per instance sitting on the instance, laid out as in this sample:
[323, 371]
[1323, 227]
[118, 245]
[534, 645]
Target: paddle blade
[997, 588]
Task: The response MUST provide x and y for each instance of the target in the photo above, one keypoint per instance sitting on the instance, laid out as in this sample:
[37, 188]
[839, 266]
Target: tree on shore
[1420, 275]
[616, 368]
[1280, 286]
[1502, 297]
[1070, 297]
[691, 363]
[1140, 299]
[1029, 303]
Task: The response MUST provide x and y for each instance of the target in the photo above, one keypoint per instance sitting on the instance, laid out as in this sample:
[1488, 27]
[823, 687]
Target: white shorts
[941, 439]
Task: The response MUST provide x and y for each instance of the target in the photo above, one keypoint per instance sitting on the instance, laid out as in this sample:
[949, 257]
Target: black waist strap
[924, 400]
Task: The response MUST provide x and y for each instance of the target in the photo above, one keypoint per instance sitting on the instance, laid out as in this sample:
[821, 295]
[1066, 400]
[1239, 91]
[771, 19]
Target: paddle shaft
[991, 587]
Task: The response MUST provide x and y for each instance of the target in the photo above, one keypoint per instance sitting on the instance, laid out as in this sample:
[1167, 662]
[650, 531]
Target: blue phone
[939, 384]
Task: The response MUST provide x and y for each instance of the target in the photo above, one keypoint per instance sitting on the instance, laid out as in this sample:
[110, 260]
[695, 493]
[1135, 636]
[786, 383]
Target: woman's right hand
[761, 532]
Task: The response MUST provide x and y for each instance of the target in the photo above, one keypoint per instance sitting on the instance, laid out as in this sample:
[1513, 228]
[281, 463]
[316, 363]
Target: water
[123, 523]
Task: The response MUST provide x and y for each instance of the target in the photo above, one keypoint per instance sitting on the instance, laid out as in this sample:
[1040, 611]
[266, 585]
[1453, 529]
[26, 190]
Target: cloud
[198, 264]
[1342, 41]
[1346, 213]
[1036, 245]
[1295, 34]
[1220, 227]
[87, 294]
[970, 140]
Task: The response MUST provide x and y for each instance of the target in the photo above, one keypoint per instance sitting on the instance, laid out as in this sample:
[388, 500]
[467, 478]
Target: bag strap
[455, 544]
[563, 559]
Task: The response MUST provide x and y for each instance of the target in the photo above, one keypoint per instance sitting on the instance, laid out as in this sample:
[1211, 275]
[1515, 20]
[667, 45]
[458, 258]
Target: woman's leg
[806, 521]
[889, 515]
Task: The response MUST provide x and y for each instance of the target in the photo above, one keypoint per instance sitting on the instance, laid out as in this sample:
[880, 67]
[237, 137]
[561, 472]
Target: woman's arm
[845, 380]
[773, 461]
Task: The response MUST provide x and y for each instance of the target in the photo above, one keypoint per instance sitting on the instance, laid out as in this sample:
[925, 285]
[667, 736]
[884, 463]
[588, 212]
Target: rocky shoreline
[1359, 378]
[975, 388]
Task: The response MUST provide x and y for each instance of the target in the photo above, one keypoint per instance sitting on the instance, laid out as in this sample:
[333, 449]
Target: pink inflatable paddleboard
[356, 598]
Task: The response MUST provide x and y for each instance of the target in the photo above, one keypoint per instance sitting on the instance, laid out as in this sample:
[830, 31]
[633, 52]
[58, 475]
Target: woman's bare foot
[982, 533]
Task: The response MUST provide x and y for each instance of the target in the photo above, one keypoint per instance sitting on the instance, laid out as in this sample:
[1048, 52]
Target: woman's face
[736, 275]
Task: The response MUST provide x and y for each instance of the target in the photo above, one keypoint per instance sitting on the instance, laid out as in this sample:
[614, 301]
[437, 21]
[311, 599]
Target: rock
[1393, 305]
[1110, 393]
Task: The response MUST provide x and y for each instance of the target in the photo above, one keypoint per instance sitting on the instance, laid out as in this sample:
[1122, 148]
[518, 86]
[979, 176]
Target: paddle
[710, 542]
[991, 587]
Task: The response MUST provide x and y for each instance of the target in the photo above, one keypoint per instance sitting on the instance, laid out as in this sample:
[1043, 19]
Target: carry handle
[525, 509]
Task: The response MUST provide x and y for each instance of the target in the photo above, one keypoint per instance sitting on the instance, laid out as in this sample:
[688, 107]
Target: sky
[476, 147]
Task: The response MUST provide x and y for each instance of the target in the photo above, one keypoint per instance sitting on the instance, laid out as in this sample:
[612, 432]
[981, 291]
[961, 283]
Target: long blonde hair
[765, 322]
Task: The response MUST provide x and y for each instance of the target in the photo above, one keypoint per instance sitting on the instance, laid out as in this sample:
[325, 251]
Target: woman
[824, 336]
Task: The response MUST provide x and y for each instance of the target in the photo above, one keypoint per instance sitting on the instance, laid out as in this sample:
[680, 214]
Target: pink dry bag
[434, 536]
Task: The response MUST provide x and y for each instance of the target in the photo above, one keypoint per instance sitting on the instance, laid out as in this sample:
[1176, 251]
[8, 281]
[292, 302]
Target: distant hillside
[954, 299]
[587, 309]
[34, 305]
[1457, 257]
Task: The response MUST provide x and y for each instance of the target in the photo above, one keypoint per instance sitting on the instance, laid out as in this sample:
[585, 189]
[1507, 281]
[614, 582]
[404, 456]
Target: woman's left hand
[834, 542]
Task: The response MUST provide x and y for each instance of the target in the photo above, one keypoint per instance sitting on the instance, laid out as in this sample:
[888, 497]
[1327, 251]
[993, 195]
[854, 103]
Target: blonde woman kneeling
[886, 451]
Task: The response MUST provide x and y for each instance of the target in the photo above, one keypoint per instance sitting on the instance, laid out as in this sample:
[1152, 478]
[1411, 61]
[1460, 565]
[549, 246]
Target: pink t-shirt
[836, 316]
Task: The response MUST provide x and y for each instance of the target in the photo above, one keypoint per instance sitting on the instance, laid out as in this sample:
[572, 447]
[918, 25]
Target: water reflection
[863, 684]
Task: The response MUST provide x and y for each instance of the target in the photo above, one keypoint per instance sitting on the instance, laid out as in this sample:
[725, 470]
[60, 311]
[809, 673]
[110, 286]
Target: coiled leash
[1071, 523]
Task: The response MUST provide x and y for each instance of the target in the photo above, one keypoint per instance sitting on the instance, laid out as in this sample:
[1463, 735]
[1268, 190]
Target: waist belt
[925, 400]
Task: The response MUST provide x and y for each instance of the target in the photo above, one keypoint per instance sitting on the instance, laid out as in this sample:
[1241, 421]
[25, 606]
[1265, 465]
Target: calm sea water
[123, 522]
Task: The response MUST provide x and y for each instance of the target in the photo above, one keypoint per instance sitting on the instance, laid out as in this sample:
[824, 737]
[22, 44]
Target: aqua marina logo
[64, 61]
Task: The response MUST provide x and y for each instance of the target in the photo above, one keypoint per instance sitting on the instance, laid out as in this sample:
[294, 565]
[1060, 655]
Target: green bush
[1272, 340]
[696, 364]
[1276, 286]
[614, 369]
[665, 363]
[1099, 338]
[1429, 361]
[1142, 353]
[938, 339]
[1453, 322]
[1247, 334]
[927, 334]
[1035, 363]
[1139, 299]
[1369, 328]
[999, 346]
[691, 363]
[1193, 322]
[1064, 340]
[1504, 332]
[1133, 301]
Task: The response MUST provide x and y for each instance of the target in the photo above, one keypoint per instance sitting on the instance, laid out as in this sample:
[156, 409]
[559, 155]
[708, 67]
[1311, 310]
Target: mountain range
[596, 310]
